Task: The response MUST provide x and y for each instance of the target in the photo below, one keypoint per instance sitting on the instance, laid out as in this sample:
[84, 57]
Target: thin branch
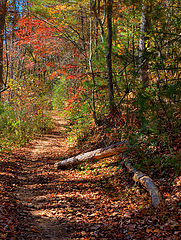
[4, 89]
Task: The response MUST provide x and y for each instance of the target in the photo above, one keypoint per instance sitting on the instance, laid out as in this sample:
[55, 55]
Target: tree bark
[91, 68]
[93, 155]
[99, 22]
[109, 56]
[142, 47]
[3, 5]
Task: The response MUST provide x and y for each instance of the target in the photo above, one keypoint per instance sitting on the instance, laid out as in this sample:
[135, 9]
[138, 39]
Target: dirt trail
[97, 202]
[37, 184]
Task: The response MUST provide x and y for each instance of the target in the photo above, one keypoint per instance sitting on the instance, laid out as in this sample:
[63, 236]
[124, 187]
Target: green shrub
[18, 126]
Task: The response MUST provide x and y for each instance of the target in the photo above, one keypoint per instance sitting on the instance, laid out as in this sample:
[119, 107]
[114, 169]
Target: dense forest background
[111, 68]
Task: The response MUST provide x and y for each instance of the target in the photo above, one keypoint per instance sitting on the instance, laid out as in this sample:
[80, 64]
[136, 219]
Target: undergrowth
[19, 125]
[153, 155]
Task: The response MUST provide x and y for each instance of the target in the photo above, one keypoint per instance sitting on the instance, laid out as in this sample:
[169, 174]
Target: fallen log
[97, 154]
[113, 150]
[146, 182]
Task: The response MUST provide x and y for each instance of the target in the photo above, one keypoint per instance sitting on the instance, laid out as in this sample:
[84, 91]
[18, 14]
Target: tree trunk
[142, 47]
[93, 155]
[3, 4]
[91, 68]
[109, 56]
[99, 22]
[97, 10]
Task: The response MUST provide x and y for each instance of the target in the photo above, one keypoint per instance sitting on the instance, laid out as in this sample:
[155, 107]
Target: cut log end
[62, 167]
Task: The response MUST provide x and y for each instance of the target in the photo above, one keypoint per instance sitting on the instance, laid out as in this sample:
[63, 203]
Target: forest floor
[95, 201]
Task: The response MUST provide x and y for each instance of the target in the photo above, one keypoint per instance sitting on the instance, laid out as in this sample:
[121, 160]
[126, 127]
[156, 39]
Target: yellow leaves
[52, 11]
[70, 210]
[65, 13]
[61, 7]
[146, 43]
[120, 48]
[57, 9]
[149, 230]
[125, 9]
[3, 236]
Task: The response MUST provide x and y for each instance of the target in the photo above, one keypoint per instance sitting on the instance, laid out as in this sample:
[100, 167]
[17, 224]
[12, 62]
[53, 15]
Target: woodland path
[38, 185]
[98, 203]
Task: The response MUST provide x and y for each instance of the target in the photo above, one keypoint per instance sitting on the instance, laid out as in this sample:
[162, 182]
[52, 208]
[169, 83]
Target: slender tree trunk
[3, 4]
[97, 7]
[91, 69]
[14, 21]
[109, 56]
[83, 34]
[142, 48]
[143, 63]
[99, 22]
